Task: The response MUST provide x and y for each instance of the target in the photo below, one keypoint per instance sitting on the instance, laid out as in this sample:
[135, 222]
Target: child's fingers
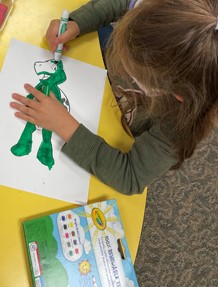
[39, 96]
[63, 38]
[52, 33]
[71, 33]
[26, 118]
[23, 104]
[24, 112]
[52, 97]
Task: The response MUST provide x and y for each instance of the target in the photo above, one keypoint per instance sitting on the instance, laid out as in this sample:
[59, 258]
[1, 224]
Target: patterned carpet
[179, 241]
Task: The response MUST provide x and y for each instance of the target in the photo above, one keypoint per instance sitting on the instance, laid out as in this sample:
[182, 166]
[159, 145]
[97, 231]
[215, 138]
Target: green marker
[62, 29]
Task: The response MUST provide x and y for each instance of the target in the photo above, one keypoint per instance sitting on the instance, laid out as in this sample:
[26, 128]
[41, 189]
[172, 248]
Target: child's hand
[46, 112]
[52, 33]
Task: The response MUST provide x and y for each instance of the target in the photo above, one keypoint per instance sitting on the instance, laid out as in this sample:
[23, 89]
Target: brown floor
[179, 241]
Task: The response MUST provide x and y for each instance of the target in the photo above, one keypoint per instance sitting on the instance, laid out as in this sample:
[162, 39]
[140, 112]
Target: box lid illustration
[81, 247]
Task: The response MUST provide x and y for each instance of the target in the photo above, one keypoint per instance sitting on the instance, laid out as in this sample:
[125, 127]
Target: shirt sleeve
[129, 173]
[98, 13]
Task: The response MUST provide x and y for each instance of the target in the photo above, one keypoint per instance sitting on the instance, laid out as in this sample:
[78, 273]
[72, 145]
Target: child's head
[171, 48]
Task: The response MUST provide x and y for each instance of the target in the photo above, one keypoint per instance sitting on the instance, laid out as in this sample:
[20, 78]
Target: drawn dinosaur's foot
[21, 149]
[44, 154]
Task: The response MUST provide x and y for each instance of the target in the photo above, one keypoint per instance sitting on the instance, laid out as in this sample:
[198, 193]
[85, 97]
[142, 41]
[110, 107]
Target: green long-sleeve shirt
[150, 156]
[98, 13]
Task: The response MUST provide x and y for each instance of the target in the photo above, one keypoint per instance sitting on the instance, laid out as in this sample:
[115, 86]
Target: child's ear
[179, 97]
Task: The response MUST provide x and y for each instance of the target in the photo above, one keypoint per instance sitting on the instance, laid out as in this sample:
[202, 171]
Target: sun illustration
[102, 221]
[84, 267]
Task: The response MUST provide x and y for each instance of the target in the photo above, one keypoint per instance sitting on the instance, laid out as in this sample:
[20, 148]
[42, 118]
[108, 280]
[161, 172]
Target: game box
[82, 247]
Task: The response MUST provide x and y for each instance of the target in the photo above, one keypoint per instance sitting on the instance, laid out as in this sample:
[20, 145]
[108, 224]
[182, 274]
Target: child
[162, 61]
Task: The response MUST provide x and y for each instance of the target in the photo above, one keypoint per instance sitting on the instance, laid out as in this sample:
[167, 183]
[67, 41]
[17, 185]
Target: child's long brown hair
[171, 47]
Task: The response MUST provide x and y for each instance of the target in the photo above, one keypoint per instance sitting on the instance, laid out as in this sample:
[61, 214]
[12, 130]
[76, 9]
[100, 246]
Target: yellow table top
[28, 22]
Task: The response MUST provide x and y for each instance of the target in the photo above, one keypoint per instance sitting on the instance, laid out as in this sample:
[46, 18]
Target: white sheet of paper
[84, 88]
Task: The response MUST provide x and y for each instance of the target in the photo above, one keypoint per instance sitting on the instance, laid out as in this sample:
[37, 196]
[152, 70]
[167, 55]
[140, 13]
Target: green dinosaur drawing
[51, 74]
